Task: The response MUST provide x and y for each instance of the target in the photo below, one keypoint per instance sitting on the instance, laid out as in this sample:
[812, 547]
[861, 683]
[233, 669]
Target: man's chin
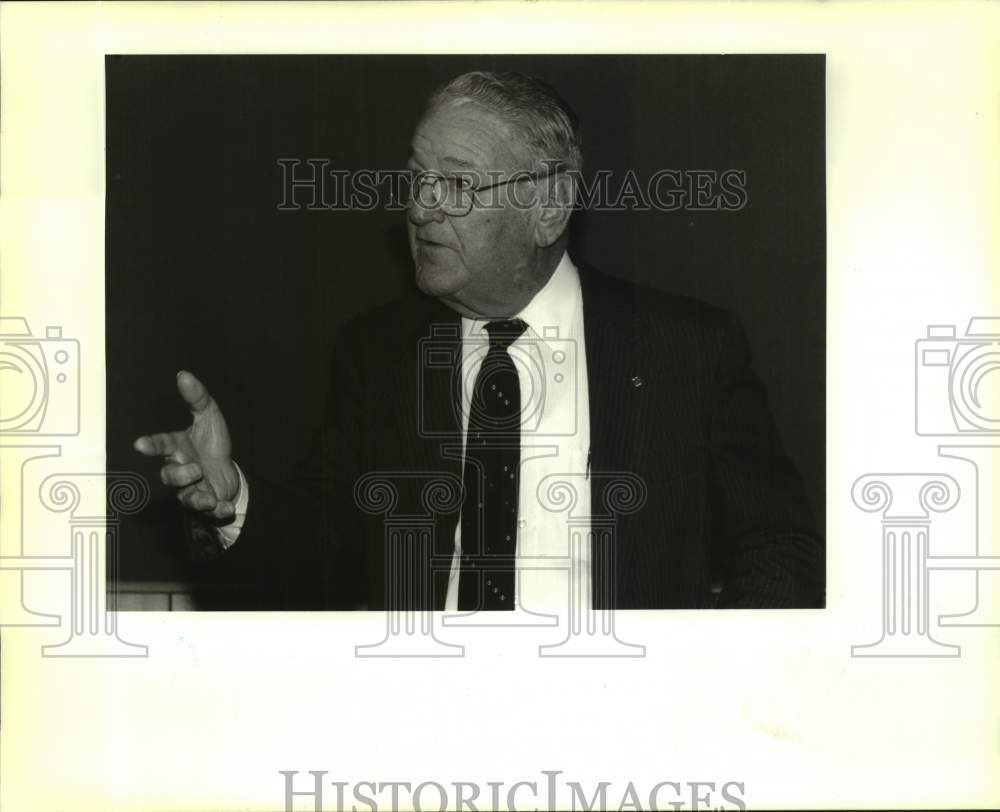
[437, 280]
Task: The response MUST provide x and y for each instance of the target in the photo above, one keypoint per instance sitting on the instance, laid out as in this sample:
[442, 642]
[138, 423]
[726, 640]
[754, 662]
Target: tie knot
[504, 333]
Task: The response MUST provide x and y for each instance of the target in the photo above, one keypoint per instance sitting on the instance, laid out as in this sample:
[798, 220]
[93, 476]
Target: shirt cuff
[230, 532]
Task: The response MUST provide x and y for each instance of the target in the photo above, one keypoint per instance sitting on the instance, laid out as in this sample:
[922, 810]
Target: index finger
[156, 445]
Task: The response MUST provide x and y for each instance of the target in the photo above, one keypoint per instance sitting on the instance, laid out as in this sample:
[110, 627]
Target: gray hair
[547, 124]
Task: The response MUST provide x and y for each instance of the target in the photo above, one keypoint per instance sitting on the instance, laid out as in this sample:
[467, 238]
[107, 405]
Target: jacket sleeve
[765, 539]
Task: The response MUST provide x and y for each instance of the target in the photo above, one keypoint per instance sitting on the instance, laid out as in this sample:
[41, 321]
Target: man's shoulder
[623, 305]
[671, 336]
[385, 325]
[648, 309]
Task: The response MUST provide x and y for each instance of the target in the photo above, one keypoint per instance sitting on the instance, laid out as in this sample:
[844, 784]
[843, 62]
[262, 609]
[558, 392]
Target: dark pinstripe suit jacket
[677, 416]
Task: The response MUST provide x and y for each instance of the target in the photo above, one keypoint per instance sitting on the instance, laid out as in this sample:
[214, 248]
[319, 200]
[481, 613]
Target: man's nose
[420, 214]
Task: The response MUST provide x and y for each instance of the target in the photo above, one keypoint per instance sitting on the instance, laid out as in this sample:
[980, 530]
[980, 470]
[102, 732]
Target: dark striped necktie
[492, 459]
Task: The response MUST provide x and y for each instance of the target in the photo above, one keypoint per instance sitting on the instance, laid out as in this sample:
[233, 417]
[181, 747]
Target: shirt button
[521, 523]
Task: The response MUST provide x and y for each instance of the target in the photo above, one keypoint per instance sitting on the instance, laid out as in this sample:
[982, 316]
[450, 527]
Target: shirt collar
[550, 312]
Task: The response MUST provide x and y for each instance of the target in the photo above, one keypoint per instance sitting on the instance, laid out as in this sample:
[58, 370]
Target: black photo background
[205, 273]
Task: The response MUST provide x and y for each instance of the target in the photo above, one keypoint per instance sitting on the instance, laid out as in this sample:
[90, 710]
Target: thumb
[194, 392]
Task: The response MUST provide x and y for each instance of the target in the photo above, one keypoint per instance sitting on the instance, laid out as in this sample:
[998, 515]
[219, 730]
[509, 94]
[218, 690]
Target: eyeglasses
[455, 195]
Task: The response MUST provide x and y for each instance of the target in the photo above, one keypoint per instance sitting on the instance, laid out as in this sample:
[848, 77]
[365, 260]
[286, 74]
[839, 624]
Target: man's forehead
[463, 137]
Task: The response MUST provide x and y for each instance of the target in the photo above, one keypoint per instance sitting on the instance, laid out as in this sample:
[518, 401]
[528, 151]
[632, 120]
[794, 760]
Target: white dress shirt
[551, 365]
[550, 358]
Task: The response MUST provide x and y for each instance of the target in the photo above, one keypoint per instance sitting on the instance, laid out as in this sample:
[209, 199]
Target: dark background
[205, 273]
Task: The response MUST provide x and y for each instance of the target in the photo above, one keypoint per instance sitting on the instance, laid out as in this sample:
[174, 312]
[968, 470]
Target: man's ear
[558, 197]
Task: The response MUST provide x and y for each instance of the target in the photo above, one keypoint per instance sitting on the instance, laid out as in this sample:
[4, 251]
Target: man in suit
[517, 416]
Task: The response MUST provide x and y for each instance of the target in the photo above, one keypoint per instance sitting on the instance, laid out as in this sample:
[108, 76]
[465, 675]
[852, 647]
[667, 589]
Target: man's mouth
[424, 242]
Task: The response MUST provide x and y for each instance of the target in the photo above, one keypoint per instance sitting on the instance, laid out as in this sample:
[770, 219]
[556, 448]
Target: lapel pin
[637, 381]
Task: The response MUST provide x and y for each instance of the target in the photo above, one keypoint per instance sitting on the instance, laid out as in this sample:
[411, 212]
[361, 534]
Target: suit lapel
[423, 386]
[439, 358]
